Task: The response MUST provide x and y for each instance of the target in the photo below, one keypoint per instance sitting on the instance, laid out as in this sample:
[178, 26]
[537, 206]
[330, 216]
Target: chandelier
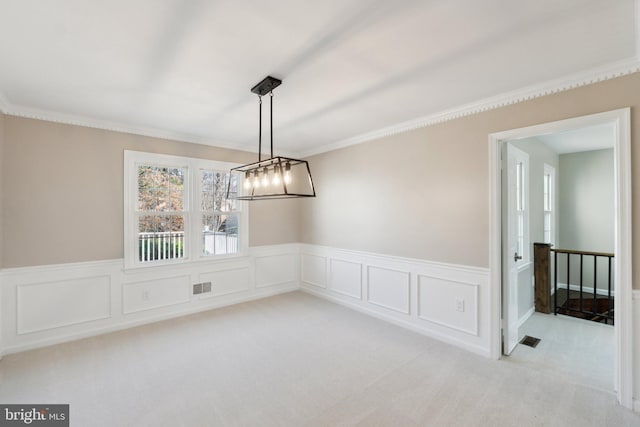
[277, 177]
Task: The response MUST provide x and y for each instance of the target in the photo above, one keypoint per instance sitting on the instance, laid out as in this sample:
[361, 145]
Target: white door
[515, 232]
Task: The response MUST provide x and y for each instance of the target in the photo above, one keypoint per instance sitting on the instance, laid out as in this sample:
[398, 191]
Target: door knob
[516, 257]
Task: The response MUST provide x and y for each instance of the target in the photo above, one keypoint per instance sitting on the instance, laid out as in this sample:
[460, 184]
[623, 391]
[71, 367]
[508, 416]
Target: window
[520, 206]
[176, 210]
[549, 199]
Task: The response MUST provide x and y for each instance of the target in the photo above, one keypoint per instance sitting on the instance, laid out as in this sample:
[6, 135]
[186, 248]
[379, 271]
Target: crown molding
[84, 121]
[69, 119]
[595, 75]
[584, 78]
[637, 21]
[4, 104]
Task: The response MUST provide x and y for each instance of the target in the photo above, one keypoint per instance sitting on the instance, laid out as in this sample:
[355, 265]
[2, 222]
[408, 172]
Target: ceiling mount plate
[266, 85]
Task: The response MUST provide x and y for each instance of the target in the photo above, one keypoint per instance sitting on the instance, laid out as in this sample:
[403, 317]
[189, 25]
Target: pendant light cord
[272, 177]
[260, 128]
[271, 124]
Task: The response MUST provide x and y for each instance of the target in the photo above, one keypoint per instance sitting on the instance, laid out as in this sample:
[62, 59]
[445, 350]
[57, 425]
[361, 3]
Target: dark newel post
[542, 273]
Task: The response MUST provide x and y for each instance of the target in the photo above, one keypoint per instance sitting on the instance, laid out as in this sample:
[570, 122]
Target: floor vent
[530, 341]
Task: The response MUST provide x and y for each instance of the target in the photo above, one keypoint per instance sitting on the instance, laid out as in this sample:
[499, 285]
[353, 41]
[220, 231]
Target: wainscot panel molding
[636, 350]
[389, 288]
[346, 278]
[420, 295]
[314, 270]
[46, 305]
[274, 269]
[155, 293]
[53, 304]
[227, 281]
[433, 291]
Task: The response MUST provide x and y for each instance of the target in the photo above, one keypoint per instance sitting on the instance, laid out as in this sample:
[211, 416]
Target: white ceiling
[349, 67]
[590, 138]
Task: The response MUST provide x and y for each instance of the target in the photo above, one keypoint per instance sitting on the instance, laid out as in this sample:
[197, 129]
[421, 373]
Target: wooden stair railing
[591, 307]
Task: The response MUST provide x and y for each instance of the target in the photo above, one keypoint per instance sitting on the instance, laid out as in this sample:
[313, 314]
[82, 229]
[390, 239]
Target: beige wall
[425, 193]
[1, 189]
[420, 194]
[63, 193]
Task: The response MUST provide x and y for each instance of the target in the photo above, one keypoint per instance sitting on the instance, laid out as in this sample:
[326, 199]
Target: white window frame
[550, 171]
[193, 250]
[523, 209]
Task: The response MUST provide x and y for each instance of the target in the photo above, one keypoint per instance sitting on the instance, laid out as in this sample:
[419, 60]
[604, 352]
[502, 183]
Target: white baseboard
[439, 300]
[635, 295]
[587, 289]
[404, 324]
[46, 305]
[89, 332]
[526, 316]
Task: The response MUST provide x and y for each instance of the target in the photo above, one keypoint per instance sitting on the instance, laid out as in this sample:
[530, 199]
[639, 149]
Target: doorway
[559, 190]
[501, 323]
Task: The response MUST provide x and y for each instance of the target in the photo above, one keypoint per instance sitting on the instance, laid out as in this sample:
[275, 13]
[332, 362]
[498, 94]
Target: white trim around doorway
[621, 121]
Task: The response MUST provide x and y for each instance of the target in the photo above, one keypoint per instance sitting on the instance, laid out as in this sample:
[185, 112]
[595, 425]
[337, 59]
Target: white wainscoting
[636, 350]
[314, 270]
[50, 304]
[389, 288]
[46, 305]
[275, 269]
[346, 278]
[227, 281]
[438, 299]
[155, 293]
[416, 294]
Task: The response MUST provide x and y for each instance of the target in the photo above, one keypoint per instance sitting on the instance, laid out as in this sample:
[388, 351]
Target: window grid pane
[160, 237]
[519, 186]
[220, 235]
[548, 190]
[520, 233]
[160, 189]
[547, 193]
[161, 233]
[547, 227]
[219, 226]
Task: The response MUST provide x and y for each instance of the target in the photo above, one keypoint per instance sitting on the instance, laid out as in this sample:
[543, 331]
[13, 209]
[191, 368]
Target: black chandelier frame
[277, 164]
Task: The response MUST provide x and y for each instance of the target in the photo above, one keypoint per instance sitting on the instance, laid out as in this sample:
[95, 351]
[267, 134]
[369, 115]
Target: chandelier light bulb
[247, 180]
[256, 180]
[276, 175]
[287, 173]
[265, 176]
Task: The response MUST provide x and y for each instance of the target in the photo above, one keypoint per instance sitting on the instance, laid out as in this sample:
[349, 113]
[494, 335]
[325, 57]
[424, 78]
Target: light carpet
[293, 360]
